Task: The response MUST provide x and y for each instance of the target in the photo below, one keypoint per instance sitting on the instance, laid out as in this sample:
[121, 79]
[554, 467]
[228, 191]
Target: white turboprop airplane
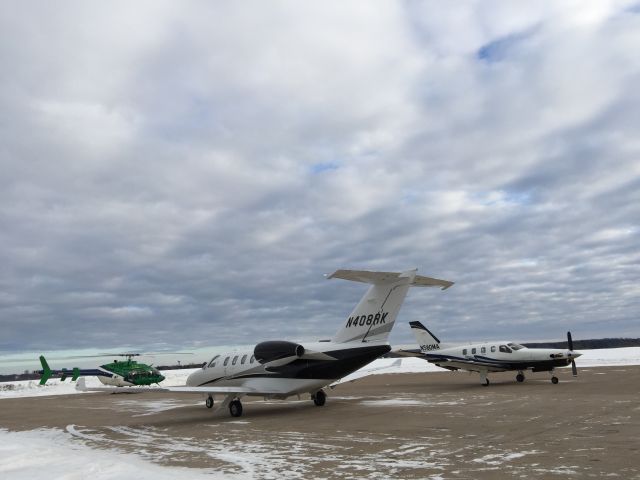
[281, 369]
[490, 356]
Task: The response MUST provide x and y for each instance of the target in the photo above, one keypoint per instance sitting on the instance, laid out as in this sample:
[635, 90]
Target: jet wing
[81, 386]
[365, 372]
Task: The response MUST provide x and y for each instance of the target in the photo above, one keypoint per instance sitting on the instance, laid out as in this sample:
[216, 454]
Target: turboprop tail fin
[427, 340]
[375, 314]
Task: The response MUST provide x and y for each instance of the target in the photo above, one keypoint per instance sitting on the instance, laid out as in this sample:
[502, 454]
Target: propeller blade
[569, 341]
[574, 369]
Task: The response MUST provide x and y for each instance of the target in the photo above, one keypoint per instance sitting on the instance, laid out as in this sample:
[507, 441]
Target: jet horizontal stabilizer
[379, 278]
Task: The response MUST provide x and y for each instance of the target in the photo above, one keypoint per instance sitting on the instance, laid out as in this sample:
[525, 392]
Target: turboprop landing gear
[319, 398]
[235, 408]
[554, 379]
[484, 379]
[520, 377]
[209, 401]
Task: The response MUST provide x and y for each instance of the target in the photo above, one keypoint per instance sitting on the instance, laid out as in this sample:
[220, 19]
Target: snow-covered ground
[53, 453]
[589, 358]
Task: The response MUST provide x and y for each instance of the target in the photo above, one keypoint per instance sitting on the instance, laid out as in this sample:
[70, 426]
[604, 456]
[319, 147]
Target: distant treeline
[590, 344]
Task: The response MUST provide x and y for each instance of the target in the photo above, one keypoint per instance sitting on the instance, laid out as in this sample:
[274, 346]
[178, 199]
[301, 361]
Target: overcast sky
[182, 174]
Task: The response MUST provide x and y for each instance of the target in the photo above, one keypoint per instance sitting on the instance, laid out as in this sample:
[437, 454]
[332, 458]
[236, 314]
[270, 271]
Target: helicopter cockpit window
[212, 363]
[504, 349]
[516, 346]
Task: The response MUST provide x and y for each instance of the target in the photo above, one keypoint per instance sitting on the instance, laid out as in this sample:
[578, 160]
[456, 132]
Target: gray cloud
[183, 176]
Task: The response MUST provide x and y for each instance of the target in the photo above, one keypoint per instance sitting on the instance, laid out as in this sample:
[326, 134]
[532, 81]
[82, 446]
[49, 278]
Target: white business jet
[490, 356]
[280, 369]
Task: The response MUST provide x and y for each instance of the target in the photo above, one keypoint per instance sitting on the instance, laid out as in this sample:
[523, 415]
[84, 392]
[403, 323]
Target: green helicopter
[119, 373]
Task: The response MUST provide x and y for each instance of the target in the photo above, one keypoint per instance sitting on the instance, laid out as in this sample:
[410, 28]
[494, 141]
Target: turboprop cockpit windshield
[515, 346]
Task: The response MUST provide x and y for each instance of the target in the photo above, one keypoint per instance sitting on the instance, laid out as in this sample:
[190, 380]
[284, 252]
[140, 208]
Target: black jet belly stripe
[347, 361]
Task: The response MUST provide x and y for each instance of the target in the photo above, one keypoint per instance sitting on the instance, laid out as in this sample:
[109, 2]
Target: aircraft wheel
[235, 408]
[554, 380]
[520, 378]
[320, 398]
[209, 402]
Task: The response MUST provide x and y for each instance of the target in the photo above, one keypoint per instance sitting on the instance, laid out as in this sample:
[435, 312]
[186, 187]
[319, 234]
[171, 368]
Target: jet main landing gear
[209, 401]
[520, 377]
[319, 398]
[235, 408]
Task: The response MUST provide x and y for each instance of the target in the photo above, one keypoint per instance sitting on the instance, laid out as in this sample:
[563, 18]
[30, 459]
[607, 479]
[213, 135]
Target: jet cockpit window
[516, 346]
[244, 359]
[212, 363]
[235, 359]
[505, 349]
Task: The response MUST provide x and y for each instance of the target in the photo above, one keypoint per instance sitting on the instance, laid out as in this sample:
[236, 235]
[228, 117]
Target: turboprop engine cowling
[277, 350]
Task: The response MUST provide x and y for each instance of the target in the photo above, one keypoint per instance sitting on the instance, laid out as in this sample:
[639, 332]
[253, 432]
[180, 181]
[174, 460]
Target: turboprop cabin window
[493, 348]
[244, 359]
[464, 352]
[226, 361]
[505, 349]
[212, 363]
[473, 351]
[483, 350]
[235, 359]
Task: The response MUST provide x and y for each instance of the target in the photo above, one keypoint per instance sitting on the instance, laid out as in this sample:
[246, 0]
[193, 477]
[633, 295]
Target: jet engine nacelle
[277, 350]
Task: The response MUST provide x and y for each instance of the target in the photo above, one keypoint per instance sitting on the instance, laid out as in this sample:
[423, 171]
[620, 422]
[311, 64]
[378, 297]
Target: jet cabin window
[473, 351]
[464, 352]
[493, 348]
[252, 359]
[226, 361]
[244, 359]
[212, 363]
[235, 359]
[505, 349]
[483, 350]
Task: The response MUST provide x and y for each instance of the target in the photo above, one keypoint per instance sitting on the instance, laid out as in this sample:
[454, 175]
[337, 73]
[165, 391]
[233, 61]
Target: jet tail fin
[373, 318]
[427, 340]
[46, 371]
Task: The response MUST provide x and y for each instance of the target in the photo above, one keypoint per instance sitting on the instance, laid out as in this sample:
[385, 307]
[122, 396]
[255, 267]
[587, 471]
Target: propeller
[574, 369]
